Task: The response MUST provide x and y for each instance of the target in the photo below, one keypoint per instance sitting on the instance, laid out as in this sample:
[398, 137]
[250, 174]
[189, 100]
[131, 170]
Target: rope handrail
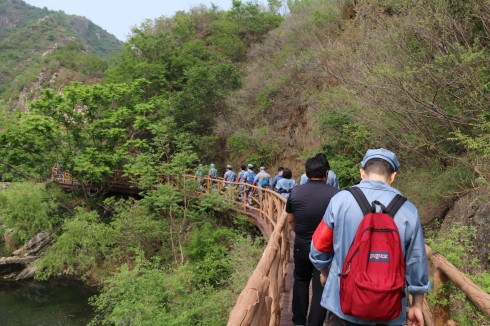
[259, 301]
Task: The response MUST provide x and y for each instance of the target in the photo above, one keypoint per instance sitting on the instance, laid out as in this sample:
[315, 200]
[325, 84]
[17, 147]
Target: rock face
[19, 266]
[35, 245]
[10, 266]
[473, 209]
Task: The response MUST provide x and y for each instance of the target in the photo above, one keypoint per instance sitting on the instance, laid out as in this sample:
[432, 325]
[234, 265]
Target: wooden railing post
[446, 270]
[441, 307]
[270, 202]
[274, 291]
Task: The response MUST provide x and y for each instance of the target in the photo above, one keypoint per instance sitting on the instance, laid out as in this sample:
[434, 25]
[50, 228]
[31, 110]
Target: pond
[29, 303]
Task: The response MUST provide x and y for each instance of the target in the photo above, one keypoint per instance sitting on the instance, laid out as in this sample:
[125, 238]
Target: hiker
[277, 177]
[230, 177]
[229, 174]
[306, 206]
[200, 176]
[213, 174]
[242, 178]
[331, 178]
[286, 183]
[250, 181]
[343, 218]
[262, 180]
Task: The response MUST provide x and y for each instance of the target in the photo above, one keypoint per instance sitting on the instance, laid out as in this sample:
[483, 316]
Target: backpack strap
[361, 200]
[395, 205]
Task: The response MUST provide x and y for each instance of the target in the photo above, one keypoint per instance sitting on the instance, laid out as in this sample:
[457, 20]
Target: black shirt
[308, 204]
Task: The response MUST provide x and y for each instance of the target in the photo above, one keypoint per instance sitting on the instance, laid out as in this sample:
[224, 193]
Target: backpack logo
[379, 256]
[373, 274]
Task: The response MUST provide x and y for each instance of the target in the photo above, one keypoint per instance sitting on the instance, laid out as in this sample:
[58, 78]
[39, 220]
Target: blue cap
[382, 153]
[262, 168]
[250, 165]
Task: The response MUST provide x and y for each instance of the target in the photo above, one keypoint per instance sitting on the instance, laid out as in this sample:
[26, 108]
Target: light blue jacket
[262, 175]
[213, 173]
[343, 216]
[277, 177]
[284, 186]
[229, 176]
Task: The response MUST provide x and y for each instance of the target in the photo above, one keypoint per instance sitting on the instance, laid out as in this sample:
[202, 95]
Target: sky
[117, 17]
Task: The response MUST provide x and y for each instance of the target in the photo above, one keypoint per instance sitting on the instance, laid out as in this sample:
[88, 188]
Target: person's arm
[321, 250]
[324, 276]
[291, 221]
[414, 313]
[417, 274]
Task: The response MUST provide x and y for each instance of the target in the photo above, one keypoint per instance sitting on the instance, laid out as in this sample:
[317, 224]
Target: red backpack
[372, 282]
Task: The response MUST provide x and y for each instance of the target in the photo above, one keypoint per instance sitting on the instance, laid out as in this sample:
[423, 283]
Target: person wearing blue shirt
[250, 181]
[262, 180]
[334, 235]
[212, 173]
[230, 177]
[229, 174]
[200, 176]
[242, 177]
[277, 177]
[260, 176]
[286, 183]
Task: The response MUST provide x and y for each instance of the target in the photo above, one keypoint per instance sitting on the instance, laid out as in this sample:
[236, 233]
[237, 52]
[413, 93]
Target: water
[53, 303]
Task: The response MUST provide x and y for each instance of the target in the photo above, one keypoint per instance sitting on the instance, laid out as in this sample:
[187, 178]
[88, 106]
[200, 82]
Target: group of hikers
[362, 249]
[282, 182]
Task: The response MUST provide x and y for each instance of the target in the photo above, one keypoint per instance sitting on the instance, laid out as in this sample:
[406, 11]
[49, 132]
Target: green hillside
[29, 34]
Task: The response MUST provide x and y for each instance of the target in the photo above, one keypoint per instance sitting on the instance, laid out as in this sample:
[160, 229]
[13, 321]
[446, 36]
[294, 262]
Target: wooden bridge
[266, 298]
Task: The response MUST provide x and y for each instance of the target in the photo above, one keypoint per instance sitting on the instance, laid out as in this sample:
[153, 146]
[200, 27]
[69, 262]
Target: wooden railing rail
[444, 271]
[259, 302]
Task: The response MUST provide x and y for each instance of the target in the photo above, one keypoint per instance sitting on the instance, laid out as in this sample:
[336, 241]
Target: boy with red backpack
[370, 248]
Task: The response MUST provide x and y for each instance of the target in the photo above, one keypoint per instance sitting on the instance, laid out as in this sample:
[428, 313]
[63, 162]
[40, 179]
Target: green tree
[27, 209]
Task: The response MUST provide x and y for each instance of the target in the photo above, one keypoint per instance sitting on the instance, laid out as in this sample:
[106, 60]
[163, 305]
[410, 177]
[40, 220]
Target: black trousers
[304, 273]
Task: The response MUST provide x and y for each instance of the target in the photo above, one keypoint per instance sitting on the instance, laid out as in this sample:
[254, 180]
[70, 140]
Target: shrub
[27, 209]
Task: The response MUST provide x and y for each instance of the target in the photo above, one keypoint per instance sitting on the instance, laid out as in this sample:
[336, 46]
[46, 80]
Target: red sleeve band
[323, 238]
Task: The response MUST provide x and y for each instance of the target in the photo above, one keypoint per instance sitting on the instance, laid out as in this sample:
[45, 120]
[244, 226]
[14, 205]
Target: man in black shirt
[305, 207]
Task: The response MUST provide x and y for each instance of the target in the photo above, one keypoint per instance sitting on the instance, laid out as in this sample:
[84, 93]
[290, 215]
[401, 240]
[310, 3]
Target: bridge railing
[259, 301]
[444, 271]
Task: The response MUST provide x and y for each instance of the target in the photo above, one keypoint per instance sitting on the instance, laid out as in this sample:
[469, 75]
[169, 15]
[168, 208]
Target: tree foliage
[27, 209]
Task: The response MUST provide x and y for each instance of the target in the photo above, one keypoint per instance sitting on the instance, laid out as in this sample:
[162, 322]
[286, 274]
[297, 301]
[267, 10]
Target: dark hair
[280, 168]
[315, 167]
[378, 166]
[287, 174]
[243, 167]
[324, 157]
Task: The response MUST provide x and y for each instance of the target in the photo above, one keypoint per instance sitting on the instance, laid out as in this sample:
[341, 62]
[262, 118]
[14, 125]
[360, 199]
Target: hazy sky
[117, 17]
